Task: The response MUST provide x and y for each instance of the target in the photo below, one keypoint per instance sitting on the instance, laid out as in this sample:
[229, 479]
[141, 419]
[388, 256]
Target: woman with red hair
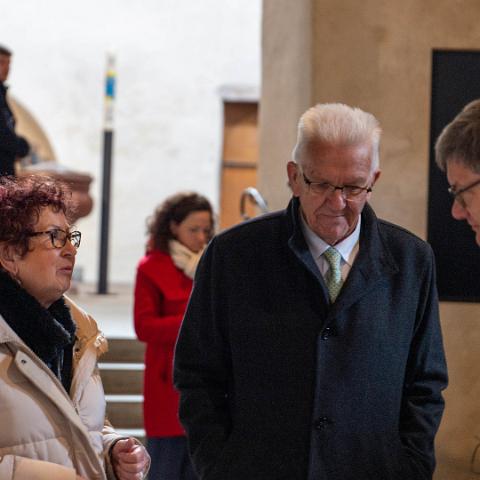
[52, 413]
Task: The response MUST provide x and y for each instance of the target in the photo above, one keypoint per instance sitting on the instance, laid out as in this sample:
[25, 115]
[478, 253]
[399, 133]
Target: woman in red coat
[178, 232]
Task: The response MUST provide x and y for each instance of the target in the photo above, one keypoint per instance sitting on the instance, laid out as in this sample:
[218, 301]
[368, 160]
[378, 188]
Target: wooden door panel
[239, 163]
[234, 181]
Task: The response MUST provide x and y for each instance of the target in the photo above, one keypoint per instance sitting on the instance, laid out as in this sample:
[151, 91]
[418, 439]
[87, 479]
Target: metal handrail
[255, 196]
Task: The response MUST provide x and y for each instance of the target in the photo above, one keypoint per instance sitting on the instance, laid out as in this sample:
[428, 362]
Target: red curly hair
[21, 203]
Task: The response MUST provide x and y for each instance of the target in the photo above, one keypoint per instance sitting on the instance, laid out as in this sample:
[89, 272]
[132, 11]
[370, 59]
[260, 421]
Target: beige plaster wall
[376, 54]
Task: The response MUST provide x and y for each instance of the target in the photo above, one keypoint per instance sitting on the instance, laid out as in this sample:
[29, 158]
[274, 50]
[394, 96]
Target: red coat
[161, 296]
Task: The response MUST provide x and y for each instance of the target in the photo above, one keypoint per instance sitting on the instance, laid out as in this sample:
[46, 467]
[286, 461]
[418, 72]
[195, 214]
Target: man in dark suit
[311, 347]
[12, 146]
[458, 154]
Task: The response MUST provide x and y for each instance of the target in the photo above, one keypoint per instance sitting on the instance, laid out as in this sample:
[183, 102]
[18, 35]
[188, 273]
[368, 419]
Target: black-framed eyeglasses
[457, 195]
[350, 193]
[59, 237]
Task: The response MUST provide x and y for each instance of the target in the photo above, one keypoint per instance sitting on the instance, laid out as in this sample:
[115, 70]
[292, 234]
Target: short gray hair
[337, 124]
[460, 139]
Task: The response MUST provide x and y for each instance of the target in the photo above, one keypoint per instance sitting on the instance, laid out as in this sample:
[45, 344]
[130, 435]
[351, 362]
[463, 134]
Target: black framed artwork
[455, 82]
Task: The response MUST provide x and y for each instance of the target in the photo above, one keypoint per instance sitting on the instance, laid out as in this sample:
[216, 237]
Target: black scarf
[49, 333]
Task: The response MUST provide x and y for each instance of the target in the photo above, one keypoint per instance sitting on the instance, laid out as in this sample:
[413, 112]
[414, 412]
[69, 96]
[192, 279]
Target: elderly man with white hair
[311, 347]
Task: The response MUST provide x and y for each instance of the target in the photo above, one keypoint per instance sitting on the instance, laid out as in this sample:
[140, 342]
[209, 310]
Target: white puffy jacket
[45, 434]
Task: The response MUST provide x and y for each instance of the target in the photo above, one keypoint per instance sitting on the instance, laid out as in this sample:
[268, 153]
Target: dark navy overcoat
[276, 383]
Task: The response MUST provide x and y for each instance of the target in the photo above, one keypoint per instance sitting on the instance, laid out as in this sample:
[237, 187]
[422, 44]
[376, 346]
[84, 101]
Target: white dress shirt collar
[348, 247]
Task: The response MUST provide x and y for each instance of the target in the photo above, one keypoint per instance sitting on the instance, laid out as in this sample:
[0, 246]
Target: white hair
[337, 124]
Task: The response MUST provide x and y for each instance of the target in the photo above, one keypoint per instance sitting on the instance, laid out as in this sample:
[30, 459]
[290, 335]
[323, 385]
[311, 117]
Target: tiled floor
[113, 311]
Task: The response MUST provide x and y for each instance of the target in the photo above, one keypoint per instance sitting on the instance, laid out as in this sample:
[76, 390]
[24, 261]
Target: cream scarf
[183, 258]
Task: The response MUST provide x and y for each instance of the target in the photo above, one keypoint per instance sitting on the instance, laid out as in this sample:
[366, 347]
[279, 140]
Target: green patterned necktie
[333, 277]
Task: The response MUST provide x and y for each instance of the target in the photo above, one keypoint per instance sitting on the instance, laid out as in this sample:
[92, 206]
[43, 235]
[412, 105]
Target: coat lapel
[299, 247]
[84, 368]
[374, 264]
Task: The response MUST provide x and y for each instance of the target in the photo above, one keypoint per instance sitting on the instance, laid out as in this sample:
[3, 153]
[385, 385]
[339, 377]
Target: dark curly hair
[21, 202]
[174, 209]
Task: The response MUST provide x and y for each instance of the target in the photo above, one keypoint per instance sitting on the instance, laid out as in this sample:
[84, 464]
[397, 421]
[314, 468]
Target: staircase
[121, 369]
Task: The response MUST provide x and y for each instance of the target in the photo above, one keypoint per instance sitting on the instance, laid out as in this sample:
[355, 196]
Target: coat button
[328, 332]
[322, 423]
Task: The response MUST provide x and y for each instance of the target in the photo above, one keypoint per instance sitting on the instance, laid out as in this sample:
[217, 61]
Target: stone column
[286, 91]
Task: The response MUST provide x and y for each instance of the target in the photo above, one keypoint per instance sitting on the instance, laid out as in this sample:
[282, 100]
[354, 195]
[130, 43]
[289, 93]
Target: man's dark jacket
[11, 144]
[275, 383]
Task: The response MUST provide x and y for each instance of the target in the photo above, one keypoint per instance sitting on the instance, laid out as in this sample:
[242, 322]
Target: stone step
[125, 411]
[122, 379]
[121, 369]
[124, 350]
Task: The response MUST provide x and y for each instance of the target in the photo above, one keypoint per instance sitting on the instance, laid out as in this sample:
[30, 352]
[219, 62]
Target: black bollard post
[107, 173]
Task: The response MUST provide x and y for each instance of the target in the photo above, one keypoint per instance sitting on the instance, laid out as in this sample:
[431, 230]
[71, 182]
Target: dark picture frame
[455, 82]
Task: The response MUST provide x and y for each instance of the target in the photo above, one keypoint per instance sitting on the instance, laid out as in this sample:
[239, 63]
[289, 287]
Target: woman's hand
[129, 459]
[78, 477]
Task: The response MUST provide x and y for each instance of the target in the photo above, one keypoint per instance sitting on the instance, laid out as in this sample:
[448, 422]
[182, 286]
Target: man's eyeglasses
[59, 237]
[351, 193]
[457, 195]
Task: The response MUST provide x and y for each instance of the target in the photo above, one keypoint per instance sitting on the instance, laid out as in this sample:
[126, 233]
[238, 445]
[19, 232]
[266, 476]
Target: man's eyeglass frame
[57, 242]
[457, 194]
[347, 195]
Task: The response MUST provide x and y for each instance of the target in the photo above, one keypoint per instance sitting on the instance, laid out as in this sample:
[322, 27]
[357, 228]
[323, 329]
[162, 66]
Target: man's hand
[129, 459]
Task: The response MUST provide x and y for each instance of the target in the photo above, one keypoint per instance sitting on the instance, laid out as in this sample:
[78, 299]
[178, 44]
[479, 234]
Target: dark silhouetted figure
[12, 146]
